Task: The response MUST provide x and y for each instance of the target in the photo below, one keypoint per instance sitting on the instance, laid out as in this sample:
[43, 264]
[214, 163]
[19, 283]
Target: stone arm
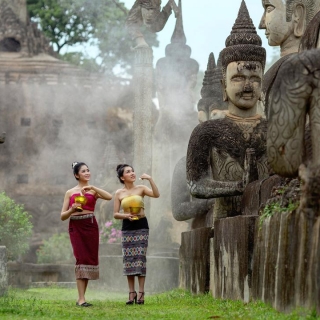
[205, 136]
[296, 91]
[161, 19]
[183, 207]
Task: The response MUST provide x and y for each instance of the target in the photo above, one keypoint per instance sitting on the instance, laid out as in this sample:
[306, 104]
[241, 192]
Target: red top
[91, 201]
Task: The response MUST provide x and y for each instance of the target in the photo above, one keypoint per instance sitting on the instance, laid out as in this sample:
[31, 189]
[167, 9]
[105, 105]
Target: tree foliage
[99, 23]
[15, 227]
[56, 249]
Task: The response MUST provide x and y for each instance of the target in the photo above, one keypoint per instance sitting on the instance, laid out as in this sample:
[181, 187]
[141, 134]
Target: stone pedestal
[286, 264]
[3, 271]
[195, 260]
[232, 257]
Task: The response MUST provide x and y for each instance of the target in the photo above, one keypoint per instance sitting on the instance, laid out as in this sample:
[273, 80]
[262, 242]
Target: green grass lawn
[57, 303]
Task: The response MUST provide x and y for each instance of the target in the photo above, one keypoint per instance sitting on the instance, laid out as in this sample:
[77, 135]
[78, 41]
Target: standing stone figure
[234, 148]
[211, 104]
[148, 12]
[295, 94]
[285, 22]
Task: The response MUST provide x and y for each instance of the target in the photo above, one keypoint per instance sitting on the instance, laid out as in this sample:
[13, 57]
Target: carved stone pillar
[142, 116]
[176, 77]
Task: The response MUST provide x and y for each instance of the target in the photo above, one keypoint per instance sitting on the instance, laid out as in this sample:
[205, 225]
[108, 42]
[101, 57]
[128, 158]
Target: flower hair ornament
[74, 164]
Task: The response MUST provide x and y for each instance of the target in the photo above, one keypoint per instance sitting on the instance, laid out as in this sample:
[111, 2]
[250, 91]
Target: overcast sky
[207, 24]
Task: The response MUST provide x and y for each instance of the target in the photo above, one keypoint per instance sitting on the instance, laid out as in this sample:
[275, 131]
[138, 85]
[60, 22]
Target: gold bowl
[81, 200]
[135, 210]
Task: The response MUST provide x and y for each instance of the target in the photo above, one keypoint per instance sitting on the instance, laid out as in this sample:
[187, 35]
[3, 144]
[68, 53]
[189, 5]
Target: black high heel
[134, 300]
[140, 301]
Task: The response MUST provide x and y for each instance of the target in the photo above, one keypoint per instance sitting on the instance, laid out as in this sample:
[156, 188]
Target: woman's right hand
[74, 207]
[130, 216]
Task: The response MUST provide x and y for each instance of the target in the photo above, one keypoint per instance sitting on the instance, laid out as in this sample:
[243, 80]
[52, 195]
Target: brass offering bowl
[135, 210]
[81, 200]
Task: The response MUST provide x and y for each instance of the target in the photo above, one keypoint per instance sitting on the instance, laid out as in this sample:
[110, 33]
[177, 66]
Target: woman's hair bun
[119, 166]
[74, 164]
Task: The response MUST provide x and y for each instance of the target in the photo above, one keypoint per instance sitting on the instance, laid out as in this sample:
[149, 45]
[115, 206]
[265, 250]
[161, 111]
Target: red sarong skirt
[84, 236]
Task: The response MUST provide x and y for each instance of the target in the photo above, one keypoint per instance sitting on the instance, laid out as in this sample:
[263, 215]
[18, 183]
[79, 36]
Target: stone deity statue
[233, 149]
[211, 104]
[285, 22]
[148, 12]
[294, 101]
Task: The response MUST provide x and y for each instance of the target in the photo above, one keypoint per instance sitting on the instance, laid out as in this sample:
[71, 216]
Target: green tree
[64, 22]
[56, 249]
[15, 227]
[95, 22]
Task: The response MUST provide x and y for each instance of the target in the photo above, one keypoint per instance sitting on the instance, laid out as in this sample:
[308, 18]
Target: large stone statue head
[285, 22]
[243, 62]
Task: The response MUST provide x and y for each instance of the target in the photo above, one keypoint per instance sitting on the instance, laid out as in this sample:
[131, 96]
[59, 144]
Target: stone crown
[243, 43]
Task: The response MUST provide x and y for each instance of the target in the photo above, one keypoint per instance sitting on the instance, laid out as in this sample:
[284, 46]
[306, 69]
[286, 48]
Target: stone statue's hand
[250, 167]
[175, 8]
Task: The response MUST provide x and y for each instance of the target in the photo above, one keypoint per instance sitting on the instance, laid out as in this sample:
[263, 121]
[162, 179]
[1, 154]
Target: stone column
[3, 271]
[142, 116]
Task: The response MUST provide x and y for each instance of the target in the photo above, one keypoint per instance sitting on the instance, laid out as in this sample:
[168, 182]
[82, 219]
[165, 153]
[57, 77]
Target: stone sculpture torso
[221, 144]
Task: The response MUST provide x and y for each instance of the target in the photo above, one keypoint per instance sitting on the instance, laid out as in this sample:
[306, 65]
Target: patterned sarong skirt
[134, 250]
[84, 236]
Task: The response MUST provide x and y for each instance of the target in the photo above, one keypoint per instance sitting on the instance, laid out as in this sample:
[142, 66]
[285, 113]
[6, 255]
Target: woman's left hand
[86, 189]
[145, 177]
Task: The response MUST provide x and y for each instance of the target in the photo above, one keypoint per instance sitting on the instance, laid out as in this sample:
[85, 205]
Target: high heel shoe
[134, 300]
[140, 301]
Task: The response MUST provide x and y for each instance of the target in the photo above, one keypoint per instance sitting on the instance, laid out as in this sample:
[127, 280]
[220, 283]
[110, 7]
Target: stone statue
[285, 22]
[211, 104]
[148, 12]
[233, 148]
[295, 94]
[293, 102]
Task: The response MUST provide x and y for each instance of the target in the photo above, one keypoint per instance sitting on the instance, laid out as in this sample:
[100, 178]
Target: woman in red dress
[83, 228]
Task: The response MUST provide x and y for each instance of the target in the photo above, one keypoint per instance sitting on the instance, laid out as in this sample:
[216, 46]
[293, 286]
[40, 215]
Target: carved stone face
[243, 83]
[149, 15]
[274, 22]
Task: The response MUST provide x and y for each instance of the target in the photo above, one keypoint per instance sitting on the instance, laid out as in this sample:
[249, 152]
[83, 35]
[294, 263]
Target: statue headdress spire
[243, 43]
